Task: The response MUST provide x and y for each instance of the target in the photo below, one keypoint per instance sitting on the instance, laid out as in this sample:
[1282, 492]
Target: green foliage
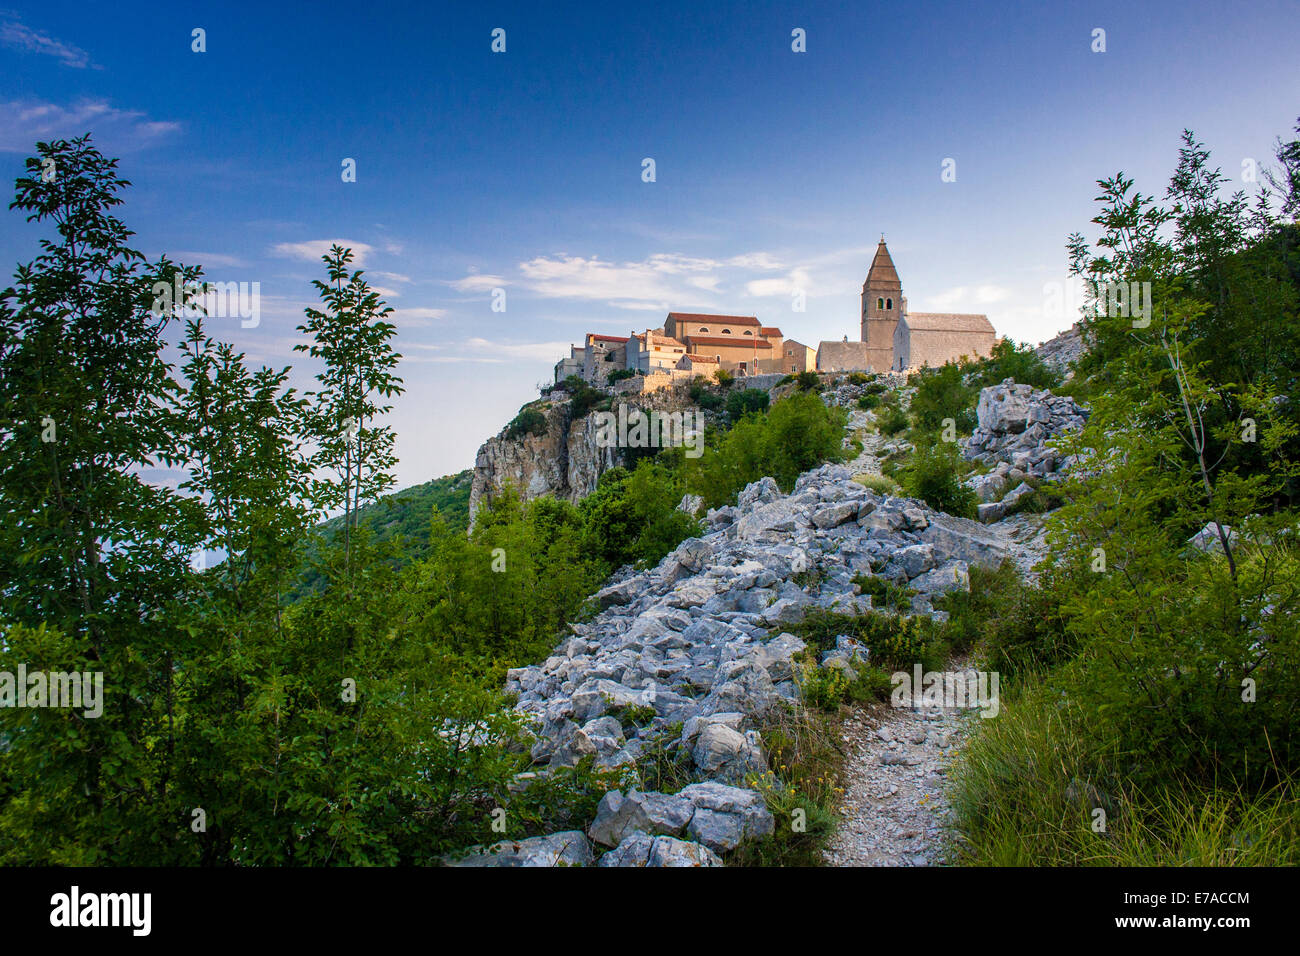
[401, 519]
[619, 375]
[828, 688]
[1148, 676]
[1017, 362]
[584, 398]
[801, 748]
[746, 401]
[798, 433]
[360, 725]
[885, 594]
[632, 516]
[881, 484]
[934, 475]
[869, 401]
[942, 393]
[351, 338]
[891, 420]
[723, 378]
[893, 640]
[531, 420]
[809, 381]
[701, 395]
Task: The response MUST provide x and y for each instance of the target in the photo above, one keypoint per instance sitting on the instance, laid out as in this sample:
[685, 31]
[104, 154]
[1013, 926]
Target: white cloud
[967, 296]
[478, 283]
[415, 318]
[797, 280]
[755, 260]
[18, 36]
[482, 350]
[392, 276]
[23, 123]
[313, 249]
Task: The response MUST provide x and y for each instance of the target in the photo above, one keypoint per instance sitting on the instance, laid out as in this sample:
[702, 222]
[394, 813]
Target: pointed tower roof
[882, 274]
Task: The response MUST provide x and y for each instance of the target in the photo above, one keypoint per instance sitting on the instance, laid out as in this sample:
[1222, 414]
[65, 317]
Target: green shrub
[619, 375]
[880, 484]
[797, 433]
[723, 378]
[703, 397]
[746, 401]
[530, 421]
[885, 594]
[809, 382]
[1017, 362]
[893, 640]
[891, 420]
[869, 401]
[934, 476]
[941, 394]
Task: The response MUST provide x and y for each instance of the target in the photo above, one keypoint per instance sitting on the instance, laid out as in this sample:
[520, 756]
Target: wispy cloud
[19, 36]
[416, 318]
[23, 123]
[482, 350]
[312, 249]
[967, 296]
[476, 282]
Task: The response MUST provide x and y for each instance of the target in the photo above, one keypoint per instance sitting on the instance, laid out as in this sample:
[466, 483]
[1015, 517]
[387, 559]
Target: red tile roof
[701, 317]
[607, 338]
[771, 330]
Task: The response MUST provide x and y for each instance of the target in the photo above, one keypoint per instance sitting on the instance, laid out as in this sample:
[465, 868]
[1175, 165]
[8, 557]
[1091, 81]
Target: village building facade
[892, 339]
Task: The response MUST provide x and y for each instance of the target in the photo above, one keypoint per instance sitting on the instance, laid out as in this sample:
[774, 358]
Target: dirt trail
[895, 807]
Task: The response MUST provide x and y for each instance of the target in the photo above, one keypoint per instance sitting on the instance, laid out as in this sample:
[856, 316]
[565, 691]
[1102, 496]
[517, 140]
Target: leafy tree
[351, 337]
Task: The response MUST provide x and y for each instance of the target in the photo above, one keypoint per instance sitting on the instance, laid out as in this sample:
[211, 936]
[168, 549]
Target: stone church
[898, 340]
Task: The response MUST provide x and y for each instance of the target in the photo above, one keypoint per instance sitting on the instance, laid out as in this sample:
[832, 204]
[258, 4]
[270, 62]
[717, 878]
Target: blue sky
[522, 170]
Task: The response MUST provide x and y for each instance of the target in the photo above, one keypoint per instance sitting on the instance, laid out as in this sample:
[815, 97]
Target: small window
[703, 329]
[747, 332]
[726, 331]
[880, 303]
[889, 303]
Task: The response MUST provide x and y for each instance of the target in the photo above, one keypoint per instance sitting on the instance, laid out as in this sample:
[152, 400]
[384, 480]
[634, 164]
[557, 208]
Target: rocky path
[894, 807]
[861, 424]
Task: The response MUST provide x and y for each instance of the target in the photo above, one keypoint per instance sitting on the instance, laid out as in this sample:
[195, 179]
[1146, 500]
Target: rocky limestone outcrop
[563, 460]
[1061, 351]
[1017, 423]
[700, 643]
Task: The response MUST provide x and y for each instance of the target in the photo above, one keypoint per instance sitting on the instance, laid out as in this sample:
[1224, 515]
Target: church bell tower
[882, 305]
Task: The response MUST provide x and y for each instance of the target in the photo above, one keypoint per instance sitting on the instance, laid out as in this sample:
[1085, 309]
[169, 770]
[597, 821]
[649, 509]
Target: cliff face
[562, 461]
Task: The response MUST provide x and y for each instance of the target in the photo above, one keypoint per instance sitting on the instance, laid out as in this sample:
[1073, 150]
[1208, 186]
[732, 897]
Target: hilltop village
[691, 343]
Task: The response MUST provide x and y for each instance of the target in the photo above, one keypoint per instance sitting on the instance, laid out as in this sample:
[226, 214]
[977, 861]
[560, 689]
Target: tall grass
[1029, 782]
